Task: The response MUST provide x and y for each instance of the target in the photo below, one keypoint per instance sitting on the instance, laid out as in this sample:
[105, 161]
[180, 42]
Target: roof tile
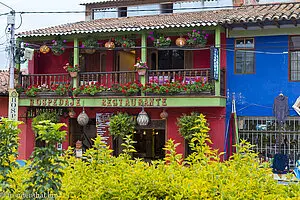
[4, 78]
[237, 15]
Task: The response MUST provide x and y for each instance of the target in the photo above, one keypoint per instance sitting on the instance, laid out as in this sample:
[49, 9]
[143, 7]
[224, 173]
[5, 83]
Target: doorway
[149, 144]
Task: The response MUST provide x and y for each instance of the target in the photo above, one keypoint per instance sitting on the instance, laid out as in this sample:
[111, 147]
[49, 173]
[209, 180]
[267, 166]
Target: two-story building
[182, 76]
[262, 65]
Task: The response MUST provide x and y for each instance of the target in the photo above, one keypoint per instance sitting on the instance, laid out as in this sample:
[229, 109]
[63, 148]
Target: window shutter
[188, 60]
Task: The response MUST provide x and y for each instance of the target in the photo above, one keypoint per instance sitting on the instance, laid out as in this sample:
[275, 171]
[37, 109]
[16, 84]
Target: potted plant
[32, 91]
[121, 124]
[61, 89]
[57, 47]
[73, 70]
[89, 45]
[197, 38]
[124, 42]
[128, 89]
[141, 67]
[159, 40]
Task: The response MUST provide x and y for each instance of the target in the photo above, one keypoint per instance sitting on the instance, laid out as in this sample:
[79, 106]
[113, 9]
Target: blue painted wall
[255, 93]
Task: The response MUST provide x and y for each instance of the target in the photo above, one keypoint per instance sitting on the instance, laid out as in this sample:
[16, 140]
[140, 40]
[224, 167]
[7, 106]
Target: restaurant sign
[101, 102]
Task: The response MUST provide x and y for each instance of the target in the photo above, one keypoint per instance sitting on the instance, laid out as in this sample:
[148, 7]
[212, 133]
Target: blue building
[263, 62]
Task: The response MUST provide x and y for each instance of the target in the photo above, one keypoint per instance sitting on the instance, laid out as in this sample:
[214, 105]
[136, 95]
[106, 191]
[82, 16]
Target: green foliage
[90, 42]
[58, 46]
[47, 164]
[32, 91]
[187, 124]
[121, 124]
[200, 176]
[8, 152]
[171, 155]
[124, 42]
[61, 89]
[51, 116]
[159, 40]
[197, 38]
[128, 145]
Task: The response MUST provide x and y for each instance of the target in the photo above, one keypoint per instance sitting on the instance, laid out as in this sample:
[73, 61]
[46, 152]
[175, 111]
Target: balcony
[175, 87]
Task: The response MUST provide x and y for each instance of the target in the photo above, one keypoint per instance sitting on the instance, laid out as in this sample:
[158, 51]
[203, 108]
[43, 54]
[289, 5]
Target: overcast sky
[35, 21]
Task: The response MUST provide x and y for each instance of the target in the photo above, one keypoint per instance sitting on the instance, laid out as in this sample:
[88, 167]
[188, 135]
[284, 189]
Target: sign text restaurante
[107, 102]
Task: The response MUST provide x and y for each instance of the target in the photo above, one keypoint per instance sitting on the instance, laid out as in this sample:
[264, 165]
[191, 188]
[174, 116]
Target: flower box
[141, 72]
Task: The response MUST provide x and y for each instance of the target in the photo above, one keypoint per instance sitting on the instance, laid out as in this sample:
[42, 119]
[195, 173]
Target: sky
[36, 21]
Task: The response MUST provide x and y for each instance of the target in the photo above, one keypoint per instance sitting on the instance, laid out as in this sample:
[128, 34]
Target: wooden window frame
[289, 57]
[245, 49]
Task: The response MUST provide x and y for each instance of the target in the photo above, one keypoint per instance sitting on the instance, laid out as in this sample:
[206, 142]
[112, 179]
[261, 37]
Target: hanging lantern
[180, 42]
[83, 119]
[164, 114]
[44, 49]
[109, 45]
[142, 118]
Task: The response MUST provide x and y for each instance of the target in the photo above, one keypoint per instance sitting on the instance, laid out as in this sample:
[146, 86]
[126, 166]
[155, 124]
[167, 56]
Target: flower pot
[57, 53]
[199, 45]
[89, 51]
[73, 74]
[141, 72]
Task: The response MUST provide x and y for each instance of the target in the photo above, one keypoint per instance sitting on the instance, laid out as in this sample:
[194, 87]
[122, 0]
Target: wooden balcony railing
[107, 78]
[44, 79]
[181, 75]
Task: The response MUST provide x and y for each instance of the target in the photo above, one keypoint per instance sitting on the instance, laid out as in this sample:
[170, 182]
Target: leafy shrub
[51, 116]
[121, 124]
[47, 163]
[201, 176]
[8, 152]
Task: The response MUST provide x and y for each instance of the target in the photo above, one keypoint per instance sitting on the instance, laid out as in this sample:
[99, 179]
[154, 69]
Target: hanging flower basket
[88, 51]
[141, 72]
[73, 74]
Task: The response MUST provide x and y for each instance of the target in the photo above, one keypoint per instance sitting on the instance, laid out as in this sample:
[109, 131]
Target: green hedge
[201, 176]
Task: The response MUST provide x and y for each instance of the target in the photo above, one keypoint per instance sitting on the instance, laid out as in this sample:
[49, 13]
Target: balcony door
[125, 60]
[170, 59]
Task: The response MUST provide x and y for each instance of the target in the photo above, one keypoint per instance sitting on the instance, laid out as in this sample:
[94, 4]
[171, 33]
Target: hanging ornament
[180, 41]
[109, 45]
[142, 118]
[44, 49]
[164, 114]
[83, 119]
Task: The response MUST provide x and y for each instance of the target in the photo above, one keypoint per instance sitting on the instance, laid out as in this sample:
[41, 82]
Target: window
[122, 12]
[170, 59]
[166, 8]
[244, 56]
[294, 69]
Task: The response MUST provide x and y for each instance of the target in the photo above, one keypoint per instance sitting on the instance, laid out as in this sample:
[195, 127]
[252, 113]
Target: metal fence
[269, 138]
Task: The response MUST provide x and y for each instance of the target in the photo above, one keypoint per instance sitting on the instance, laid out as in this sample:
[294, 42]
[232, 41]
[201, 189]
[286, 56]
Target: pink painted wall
[4, 106]
[202, 57]
[215, 117]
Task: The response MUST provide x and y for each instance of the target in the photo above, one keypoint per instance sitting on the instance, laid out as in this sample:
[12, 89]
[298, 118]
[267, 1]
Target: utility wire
[21, 21]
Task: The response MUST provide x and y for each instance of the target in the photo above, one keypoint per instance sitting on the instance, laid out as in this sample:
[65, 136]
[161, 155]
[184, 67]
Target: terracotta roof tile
[244, 14]
[109, 3]
[4, 78]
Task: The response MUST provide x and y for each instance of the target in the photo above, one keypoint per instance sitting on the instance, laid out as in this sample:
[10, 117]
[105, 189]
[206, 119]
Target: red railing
[107, 78]
[182, 75]
[44, 79]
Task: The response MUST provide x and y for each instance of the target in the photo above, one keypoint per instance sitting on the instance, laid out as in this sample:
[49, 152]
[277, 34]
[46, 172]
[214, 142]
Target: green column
[143, 55]
[218, 45]
[76, 60]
